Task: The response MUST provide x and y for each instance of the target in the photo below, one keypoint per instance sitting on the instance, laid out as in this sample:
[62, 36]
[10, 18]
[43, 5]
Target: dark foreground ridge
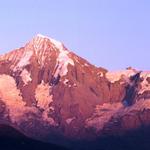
[11, 139]
[132, 140]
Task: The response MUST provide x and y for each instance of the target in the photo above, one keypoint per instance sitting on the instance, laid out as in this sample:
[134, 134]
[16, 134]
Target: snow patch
[56, 43]
[24, 60]
[86, 65]
[42, 96]
[12, 98]
[75, 85]
[100, 74]
[44, 101]
[63, 61]
[117, 75]
[66, 81]
[42, 36]
[69, 120]
[26, 76]
[51, 108]
[145, 86]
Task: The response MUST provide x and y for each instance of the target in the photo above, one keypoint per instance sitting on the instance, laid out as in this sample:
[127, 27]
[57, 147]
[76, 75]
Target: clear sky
[113, 34]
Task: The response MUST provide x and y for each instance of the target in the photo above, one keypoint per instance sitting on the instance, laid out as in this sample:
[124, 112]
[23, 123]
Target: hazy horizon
[109, 33]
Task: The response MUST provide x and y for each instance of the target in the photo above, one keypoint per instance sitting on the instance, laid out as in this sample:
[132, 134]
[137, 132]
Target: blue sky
[113, 34]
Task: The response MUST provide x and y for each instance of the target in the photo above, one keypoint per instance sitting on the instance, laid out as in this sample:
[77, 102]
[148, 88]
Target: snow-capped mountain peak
[44, 83]
[45, 47]
[58, 44]
[41, 42]
[44, 50]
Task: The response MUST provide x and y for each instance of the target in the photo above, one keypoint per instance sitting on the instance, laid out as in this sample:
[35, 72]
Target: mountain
[50, 94]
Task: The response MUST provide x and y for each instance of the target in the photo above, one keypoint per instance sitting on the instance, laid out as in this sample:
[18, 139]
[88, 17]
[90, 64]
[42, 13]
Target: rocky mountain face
[49, 93]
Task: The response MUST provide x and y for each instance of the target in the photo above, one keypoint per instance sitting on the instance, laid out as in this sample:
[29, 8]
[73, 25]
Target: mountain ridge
[47, 91]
